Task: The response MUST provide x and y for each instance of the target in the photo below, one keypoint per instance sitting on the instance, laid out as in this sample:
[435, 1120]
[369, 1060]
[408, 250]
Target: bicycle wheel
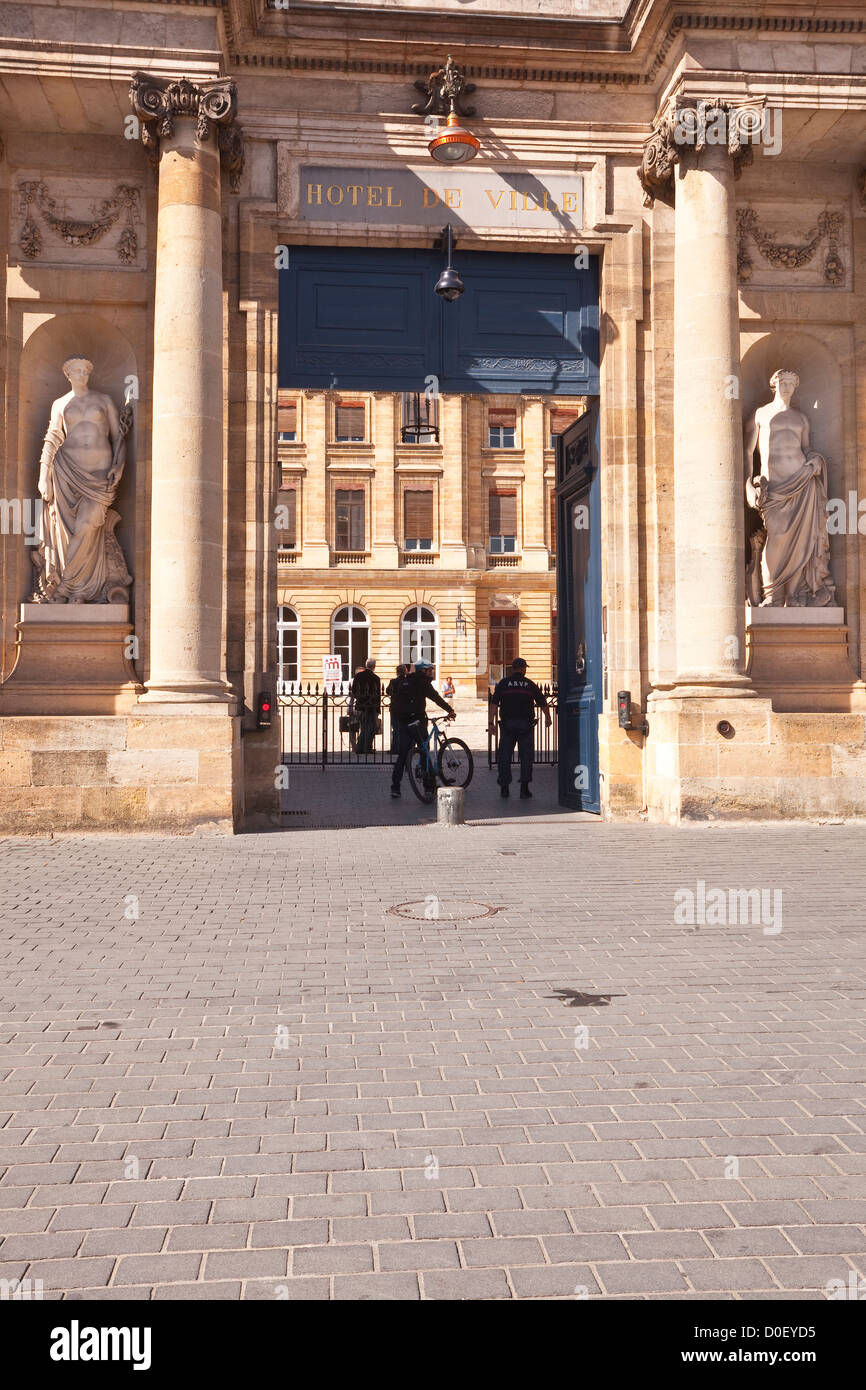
[455, 763]
[420, 780]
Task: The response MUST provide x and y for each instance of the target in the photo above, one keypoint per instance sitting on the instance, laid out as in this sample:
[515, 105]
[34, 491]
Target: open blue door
[579, 668]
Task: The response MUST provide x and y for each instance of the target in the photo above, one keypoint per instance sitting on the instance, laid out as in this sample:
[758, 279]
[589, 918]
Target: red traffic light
[263, 710]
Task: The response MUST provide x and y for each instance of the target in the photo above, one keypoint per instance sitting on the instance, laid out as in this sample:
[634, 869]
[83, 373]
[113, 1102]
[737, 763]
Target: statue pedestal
[70, 659]
[799, 658]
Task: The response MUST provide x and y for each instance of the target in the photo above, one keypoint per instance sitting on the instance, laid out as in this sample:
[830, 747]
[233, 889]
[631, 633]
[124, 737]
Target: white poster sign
[332, 672]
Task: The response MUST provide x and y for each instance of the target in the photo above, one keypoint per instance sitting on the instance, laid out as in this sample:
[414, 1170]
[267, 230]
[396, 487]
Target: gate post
[324, 727]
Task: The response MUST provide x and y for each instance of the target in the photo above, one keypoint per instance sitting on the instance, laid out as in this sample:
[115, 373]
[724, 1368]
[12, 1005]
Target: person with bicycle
[515, 697]
[409, 711]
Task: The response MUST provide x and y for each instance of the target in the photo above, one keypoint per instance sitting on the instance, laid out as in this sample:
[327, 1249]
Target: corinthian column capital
[688, 127]
[159, 102]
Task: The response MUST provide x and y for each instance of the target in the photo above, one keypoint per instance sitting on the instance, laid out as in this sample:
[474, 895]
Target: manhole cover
[443, 909]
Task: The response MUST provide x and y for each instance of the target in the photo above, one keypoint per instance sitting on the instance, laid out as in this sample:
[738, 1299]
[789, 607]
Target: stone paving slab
[228, 1069]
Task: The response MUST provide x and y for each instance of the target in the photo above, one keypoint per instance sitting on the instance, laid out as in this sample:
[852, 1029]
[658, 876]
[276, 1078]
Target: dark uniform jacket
[409, 695]
[367, 691]
[516, 697]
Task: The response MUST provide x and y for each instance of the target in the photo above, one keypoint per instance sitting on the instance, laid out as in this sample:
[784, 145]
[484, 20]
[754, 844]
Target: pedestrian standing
[389, 691]
[366, 703]
[516, 698]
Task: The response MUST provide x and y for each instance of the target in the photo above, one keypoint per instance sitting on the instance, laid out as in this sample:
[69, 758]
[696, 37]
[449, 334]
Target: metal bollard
[449, 806]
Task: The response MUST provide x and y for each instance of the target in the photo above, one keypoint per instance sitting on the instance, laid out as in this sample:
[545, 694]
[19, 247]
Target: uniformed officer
[516, 698]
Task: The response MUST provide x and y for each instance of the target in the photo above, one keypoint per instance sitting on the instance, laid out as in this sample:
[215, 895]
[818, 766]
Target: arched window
[288, 649]
[350, 638]
[419, 635]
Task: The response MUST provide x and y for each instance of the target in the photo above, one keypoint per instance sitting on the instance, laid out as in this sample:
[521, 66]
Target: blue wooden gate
[368, 320]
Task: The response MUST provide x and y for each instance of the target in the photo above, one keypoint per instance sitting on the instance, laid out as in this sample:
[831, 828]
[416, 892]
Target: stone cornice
[571, 51]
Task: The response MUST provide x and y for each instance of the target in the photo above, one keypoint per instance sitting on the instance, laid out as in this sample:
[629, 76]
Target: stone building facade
[155, 162]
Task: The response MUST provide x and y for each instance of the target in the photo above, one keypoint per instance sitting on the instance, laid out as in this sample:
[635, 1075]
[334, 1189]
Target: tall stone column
[685, 165]
[185, 126]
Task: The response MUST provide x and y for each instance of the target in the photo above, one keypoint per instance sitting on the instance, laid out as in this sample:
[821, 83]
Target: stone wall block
[71, 731]
[168, 767]
[70, 768]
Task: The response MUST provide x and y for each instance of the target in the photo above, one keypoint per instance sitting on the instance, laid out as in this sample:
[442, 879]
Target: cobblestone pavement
[230, 1070]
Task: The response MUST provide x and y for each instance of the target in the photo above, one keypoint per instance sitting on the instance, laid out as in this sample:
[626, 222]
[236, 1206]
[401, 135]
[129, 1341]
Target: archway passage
[360, 326]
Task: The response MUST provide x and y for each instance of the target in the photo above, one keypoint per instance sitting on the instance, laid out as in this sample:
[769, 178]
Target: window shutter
[503, 513]
[349, 420]
[553, 522]
[288, 534]
[287, 416]
[561, 419]
[506, 418]
[418, 513]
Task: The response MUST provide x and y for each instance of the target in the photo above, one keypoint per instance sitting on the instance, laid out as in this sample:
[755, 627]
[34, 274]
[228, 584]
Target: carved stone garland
[788, 256]
[76, 232]
[213, 106]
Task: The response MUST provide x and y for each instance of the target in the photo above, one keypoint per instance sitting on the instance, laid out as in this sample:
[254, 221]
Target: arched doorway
[350, 637]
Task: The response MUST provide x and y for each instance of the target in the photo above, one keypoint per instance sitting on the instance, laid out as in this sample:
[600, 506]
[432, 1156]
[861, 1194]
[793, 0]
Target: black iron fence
[318, 728]
[545, 741]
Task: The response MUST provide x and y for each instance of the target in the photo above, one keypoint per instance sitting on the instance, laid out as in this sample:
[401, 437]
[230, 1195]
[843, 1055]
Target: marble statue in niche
[79, 559]
[789, 490]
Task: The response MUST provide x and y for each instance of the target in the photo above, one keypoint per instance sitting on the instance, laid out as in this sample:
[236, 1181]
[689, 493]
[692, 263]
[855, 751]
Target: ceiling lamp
[449, 286]
[455, 145]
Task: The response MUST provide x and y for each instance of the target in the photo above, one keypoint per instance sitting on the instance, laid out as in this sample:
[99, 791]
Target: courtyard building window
[350, 425]
[502, 522]
[418, 519]
[349, 531]
[420, 418]
[350, 638]
[288, 650]
[419, 635]
[287, 516]
[287, 422]
[501, 429]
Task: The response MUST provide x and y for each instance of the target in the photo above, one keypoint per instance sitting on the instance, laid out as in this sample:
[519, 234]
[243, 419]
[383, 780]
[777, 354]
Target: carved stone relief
[784, 259]
[85, 220]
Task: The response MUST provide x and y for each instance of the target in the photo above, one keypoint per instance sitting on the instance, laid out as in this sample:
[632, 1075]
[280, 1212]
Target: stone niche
[69, 658]
[801, 658]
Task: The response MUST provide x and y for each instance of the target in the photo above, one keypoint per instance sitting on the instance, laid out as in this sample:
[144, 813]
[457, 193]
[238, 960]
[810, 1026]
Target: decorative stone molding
[789, 256]
[443, 87]
[76, 232]
[159, 102]
[696, 126]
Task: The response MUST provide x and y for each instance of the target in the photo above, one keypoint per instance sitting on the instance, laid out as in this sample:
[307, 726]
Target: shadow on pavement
[356, 795]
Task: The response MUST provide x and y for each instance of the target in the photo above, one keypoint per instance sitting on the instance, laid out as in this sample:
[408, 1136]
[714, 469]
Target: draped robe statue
[79, 559]
[790, 492]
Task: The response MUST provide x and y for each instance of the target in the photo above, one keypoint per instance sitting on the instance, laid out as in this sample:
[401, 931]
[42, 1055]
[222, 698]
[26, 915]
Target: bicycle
[449, 758]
